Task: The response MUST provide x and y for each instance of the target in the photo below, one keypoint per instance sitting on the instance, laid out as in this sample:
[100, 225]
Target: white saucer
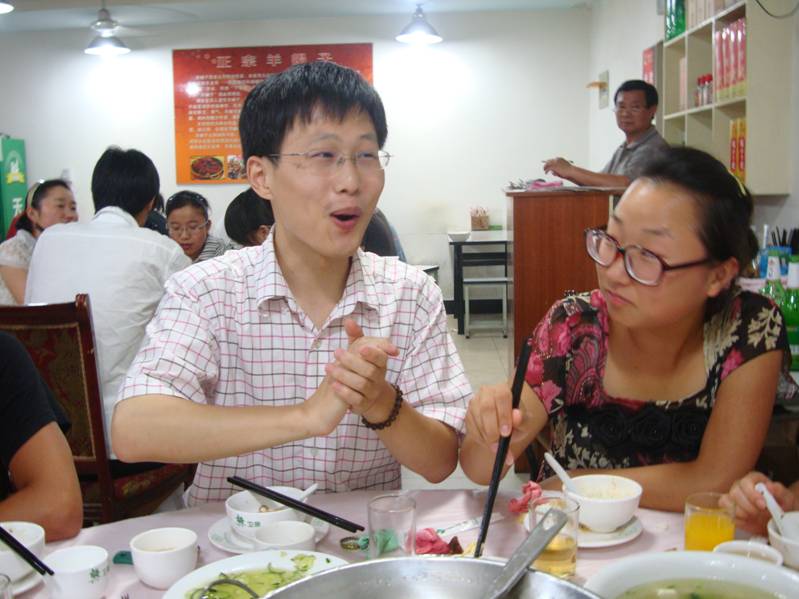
[589, 539]
[25, 583]
[222, 537]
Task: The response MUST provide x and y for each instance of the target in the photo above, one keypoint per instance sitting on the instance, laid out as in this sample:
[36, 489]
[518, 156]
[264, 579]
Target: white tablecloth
[435, 509]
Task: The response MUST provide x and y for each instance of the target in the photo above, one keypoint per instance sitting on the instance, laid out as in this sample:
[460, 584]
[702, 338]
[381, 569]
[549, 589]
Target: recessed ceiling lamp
[6, 7]
[419, 31]
[106, 43]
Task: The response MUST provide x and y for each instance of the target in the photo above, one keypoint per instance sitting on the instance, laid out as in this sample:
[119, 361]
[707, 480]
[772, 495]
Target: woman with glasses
[188, 223]
[49, 202]
[667, 371]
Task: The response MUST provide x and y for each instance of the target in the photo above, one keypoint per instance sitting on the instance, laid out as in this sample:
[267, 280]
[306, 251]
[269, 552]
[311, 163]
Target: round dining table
[437, 509]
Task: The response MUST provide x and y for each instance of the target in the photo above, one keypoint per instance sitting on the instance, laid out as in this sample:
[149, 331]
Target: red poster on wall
[210, 85]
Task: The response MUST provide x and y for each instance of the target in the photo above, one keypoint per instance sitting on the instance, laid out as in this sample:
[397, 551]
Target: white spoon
[777, 514]
[562, 474]
[308, 492]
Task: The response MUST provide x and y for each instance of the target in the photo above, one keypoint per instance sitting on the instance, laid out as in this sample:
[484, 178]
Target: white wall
[503, 92]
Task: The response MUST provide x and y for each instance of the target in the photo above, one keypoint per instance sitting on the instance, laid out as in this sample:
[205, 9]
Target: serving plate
[248, 561]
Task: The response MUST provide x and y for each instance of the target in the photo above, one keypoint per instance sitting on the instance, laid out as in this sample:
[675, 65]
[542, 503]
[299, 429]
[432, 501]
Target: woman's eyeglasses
[191, 228]
[642, 265]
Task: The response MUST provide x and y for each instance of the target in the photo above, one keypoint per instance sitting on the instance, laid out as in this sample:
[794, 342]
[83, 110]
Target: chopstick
[293, 503]
[24, 552]
[503, 445]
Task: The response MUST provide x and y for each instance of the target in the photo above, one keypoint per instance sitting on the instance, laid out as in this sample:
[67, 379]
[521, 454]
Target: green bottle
[790, 310]
[773, 287]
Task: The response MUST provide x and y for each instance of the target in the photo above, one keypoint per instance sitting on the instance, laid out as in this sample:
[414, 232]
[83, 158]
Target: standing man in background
[635, 105]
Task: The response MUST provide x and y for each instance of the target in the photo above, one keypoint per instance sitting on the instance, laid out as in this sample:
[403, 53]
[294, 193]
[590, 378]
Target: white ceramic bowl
[243, 511]
[607, 501]
[286, 534]
[788, 547]
[32, 537]
[459, 235]
[629, 572]
[81, 572]
[162, 556]
[750, 549]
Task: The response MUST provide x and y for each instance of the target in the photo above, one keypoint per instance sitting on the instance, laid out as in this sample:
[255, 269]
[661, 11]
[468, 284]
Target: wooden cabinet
[547, 249]
[764, 101]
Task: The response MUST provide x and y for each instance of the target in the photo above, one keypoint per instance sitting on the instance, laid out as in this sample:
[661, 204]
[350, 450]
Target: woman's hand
[750, 506]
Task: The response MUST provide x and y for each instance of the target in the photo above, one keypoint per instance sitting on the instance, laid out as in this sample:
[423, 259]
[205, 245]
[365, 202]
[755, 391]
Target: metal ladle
[523, 556]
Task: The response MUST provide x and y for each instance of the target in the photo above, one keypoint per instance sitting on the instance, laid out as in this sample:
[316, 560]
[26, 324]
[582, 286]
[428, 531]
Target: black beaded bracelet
[391, 417]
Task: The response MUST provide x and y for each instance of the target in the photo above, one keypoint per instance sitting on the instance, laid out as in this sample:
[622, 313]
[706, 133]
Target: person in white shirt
[120, 264]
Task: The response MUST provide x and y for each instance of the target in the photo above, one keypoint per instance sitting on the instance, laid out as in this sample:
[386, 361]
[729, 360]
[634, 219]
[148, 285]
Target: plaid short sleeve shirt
[228, 332]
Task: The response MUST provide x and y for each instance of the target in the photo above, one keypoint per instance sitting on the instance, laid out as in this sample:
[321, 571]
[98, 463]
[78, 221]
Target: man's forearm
[582, 176]
[427, 446]
[171, 429]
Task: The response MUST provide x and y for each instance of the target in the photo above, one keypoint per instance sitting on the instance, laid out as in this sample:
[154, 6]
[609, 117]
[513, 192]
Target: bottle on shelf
[773, 287]
[790, 310]
[679, 17]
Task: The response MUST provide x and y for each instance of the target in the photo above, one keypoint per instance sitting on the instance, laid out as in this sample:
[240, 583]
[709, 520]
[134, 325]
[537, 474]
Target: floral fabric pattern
[15, 253]
[591, 429]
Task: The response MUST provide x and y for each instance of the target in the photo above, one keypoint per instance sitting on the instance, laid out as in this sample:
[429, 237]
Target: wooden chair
[60, 339]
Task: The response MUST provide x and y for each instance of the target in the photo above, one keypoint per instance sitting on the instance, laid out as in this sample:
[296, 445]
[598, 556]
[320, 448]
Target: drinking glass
[392, 526]
[707, 523]
[560, 556]
[5, 587]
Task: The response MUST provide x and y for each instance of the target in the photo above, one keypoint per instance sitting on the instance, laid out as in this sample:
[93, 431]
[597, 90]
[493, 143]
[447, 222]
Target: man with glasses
[303, 359]
[122, 265]
[635, 105]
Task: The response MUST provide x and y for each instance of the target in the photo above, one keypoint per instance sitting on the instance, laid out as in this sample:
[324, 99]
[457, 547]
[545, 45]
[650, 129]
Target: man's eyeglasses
[325, 163]
[642, 265]
[637, 109]
[191, 228]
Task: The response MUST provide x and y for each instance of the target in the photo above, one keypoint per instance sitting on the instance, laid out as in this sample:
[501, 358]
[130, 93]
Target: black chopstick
[503, 445]
[293, 503]
[24, 552]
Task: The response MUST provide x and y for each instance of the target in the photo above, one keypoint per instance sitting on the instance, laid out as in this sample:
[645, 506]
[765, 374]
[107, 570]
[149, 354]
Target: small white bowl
[751, 549]
[459, 235]
[81, 572]
[286, 534]
[162, 556]
[243, 511]
[607, 501]
[31, 535]
[789, 548]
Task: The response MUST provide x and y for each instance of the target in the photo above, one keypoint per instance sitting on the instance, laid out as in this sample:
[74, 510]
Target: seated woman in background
[38, 482]
[48, 203]
[188, 223]
[667, 371]
[249, 218]
[750, 507]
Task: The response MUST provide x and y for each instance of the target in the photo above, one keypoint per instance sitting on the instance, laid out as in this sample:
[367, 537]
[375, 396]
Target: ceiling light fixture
[106, 43]
[419, 31]
[6, 7]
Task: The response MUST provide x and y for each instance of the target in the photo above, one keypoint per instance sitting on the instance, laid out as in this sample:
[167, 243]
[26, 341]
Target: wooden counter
[547, 248]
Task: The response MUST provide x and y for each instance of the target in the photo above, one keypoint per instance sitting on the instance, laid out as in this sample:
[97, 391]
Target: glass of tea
[560, 556]
[707, 523]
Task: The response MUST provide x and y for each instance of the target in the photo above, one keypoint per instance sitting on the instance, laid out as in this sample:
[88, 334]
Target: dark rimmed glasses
[325, 163]
[642, 265]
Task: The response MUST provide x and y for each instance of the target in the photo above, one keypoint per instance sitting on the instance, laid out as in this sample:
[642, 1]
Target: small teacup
[162, 556]
[286, 534]
[81, 572]
[751, 549]
[31, 535]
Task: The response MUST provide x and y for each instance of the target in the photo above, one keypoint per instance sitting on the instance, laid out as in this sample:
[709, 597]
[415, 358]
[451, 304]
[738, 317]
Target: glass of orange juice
[707, 523]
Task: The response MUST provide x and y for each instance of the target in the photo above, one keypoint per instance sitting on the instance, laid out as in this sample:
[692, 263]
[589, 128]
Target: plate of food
[263, 571]
[206, 167]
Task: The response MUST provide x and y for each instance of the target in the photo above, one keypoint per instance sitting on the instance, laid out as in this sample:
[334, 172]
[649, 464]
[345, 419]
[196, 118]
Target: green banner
[13, 181]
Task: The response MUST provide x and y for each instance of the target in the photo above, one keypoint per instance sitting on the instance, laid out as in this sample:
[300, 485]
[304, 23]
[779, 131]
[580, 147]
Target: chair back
[60, 340]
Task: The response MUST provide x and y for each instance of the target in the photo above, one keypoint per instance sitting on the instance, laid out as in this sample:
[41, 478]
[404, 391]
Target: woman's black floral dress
[590, 429]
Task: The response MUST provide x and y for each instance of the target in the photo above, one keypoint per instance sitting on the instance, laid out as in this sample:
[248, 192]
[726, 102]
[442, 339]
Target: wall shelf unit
[764, 100]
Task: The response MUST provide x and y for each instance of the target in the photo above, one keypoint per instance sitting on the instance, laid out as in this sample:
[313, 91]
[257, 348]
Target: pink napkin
[543, 184]
[531, 490]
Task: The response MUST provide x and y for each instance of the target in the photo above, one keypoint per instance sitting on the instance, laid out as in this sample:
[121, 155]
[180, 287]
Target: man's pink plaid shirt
[229, 333]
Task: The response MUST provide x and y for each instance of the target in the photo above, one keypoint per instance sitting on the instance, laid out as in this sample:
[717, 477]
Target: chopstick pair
[24, 552]
[503, 445]
[293, 503]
